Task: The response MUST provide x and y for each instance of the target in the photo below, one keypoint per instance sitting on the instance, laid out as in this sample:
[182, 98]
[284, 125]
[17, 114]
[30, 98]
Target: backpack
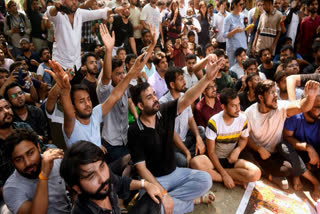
[21, 17]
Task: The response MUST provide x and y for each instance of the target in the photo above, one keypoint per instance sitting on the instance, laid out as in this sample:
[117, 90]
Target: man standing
[277, 158]
[269, 29]
[150, 15]
[151, 145]
[227, 135]
[35, 186]
[181, 51]
[123, 30]
[308, 28]
[134, 18]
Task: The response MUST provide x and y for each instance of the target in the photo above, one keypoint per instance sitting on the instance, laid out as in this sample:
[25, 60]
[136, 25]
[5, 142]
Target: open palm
[107, 39]
[59, 75]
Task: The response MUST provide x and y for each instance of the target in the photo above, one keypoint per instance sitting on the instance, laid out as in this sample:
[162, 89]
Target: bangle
[164, 193]
[41, 177]
[142, 183]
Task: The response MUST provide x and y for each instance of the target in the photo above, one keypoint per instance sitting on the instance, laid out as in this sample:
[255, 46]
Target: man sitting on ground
[85, 171]
[35, 186]
[277, 158]
[227, 134]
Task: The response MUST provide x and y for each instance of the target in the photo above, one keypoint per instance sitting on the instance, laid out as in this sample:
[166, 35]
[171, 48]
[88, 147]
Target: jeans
[190, 143]
[184, 185]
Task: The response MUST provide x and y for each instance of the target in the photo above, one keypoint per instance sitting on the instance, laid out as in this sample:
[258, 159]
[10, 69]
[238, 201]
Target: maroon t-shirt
[203, 112]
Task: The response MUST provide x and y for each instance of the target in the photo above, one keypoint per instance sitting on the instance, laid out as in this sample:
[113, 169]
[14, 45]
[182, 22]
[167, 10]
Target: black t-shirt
[92, 89]
[35, 20]
[155, 146]
[244, 101]
[121, 30]
[269, 72]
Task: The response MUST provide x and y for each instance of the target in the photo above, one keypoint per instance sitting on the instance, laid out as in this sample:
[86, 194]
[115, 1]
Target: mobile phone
[145, 55]
[21, 75]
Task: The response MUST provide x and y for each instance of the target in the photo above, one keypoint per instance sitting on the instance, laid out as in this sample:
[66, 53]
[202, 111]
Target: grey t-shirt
[19, 189]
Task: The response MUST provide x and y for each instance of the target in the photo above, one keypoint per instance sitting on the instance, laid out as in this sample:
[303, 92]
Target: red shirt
[179, 57]
[308, 29]
[203, 112]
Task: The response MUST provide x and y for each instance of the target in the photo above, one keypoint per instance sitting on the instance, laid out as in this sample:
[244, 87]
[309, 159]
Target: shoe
[282, 182]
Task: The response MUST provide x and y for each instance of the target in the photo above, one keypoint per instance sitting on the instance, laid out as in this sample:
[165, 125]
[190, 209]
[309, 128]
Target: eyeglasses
[15, 95]
[273, 92]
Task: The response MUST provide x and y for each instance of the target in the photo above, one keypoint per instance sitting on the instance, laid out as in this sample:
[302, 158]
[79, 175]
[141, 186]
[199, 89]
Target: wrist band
[164, 193]
[142, 183]
[41, 177]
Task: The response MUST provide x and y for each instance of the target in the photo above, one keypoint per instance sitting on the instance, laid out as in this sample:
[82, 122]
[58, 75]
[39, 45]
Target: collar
[140, 124]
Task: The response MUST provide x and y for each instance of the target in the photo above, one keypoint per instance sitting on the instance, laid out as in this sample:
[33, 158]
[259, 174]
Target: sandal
[205, 199]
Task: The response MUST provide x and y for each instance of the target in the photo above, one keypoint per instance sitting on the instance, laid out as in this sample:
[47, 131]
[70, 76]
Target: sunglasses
[15, 95]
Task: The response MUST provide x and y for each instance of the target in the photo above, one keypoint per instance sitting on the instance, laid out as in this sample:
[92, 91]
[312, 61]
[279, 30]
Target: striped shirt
[226, 136]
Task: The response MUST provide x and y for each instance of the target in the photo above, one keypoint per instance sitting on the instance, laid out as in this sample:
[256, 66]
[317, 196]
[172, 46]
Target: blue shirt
[238, 40]
[304, 131]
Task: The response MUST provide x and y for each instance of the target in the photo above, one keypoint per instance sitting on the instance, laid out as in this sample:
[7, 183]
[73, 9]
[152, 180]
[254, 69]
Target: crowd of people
[141, 106]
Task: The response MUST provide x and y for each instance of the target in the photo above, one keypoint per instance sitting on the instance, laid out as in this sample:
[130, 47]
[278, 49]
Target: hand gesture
[59, 75]
[228, 181]
[168, 204]
[153, 191]
[233, 157]
[34, 62]
[138, 64]
[12, 78]
[239, 29]
[107, 40]
[311, 88]
[153, 34]
[283, 18]
[200, 147]
[48, 158]
[264, 154]
[212, 68]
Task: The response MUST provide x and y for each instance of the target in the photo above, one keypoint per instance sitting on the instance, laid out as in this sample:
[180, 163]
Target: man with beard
[302, 131]
[90, 62]
[208, 106]
[316, 56]
[35, 186]
[85, 171]
[68, 20]
[26, 113]
[32, 58]
[123, 30]
[267, 66]
[188, 136]
[151, 145]
[189, 76]
[275, 157]
[41, 74]
[247, 97]
[81, 122]
[227, 135]
[309, 27]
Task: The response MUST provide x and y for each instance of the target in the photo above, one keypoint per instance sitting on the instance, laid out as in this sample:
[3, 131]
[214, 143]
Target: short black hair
[279, 75]
[309, 2]
[233, 2]
[263, 50]
[207, 46]
[3, 70]
[218, 52]
[8, 87]
[250, 76]
[80, 153]
[158, 57]
[287, 47]
[227, 94]
[120, 49]
[144, 32]
[14, 65]
[263, 87]
[17, 136]
[86, 56]
[116, 63]
[43, 49]
[171, 75]
[191, 33]
[77, 87]
[136, 90]
[239, 51]
[129, 57]
[191, 56]
[20, 58]
[248, 62]
[287, 61]
[315, 47]
[271, 1]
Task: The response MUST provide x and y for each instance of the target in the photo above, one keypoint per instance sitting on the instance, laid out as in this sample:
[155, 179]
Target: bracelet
[41, 177]
[142, 183]
[164, 193]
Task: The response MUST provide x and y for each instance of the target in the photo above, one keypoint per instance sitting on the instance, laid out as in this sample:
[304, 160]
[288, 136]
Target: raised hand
[212, 68]
[153, 34]
[138, 64]
[59, 75]
[107, 40]
[311, 88]
[48, 158]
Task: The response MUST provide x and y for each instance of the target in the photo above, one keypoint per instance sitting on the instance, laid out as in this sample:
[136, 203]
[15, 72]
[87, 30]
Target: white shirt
[191, 80]
[218, 23]
[293, 27]
[151, 16]
[134, 18]
[67, 47]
